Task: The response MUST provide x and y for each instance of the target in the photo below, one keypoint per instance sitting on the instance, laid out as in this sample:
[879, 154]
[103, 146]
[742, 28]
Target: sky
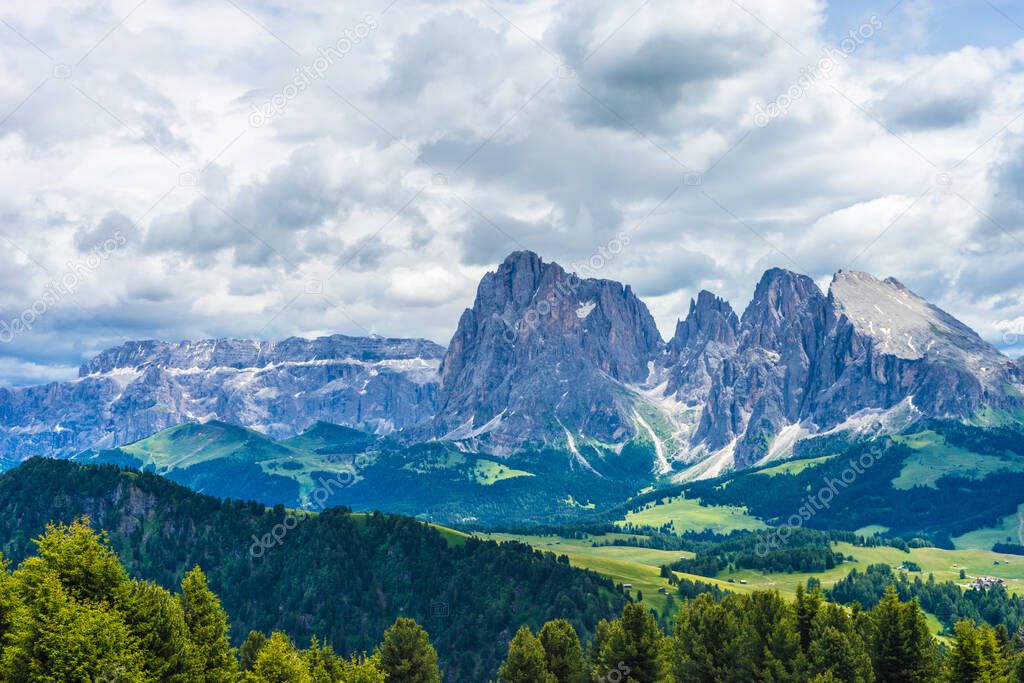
[185, 169]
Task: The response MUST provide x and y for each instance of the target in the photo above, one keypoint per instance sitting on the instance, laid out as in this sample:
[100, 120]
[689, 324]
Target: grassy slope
[637, 566]
[640, 566]
[687, 514]
[1009, 530]
[487, 472]
[193, 443]
[933, 458]
[794, 466]
[945, 564]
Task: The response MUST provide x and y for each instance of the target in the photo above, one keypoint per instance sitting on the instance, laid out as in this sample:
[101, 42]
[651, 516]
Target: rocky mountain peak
[701, 343]
[783, 300]
[901, 323]
[543, 351]
[546, 356]
[710, 318]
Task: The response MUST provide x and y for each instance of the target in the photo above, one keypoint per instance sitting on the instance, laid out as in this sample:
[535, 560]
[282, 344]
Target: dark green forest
[946, 600]
[71, 612]
[954, 506]
[338, 576]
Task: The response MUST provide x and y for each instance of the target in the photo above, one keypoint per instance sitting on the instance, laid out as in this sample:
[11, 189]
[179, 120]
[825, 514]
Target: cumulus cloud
[113, 226]
[946, 91]
[451, 133]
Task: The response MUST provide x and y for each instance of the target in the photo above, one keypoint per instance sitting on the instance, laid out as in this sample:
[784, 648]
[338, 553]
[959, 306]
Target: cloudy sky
[185, 169]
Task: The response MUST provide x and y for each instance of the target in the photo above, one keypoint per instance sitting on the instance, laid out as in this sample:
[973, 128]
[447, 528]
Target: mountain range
[545, 359]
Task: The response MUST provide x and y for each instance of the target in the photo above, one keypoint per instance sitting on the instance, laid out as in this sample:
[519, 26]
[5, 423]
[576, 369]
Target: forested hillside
[338, 576]
[938, 483]
[70, 612]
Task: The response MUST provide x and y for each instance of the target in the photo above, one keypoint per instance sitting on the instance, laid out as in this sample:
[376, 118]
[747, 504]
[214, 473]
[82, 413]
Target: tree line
[736, 638]
[339, 576]
[71, 612]
[945, 599]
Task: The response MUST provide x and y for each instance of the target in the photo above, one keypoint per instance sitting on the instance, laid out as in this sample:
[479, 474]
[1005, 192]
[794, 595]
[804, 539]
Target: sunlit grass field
[640, 567]
[687, 514]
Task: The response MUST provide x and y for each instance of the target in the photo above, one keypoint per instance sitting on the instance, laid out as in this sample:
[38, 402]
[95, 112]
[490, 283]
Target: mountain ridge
[546, 358]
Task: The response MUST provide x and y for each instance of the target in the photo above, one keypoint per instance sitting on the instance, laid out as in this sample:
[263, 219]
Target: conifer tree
[632, 645]
[526, 662]
[977, 657]
[67, 625]
[703, 647]
[10, 601]
[159, 624]
[769, 638]
[837, 647]
[207, 626]
[406, 654]
[562, 651]
[322, 664]
[278, 662]
[902, 648]
[81, 560]
[247, 653]
[806, 607]
[362, 669]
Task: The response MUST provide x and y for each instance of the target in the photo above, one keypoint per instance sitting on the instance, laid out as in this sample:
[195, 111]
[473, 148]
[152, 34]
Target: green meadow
[687, 514]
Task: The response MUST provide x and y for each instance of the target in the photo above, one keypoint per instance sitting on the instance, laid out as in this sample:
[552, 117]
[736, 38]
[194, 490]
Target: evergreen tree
[806, 607]
[837, 647]
[159, 624]
[254, 642]
[1003, 638]
[10, 602]
[278, 662]
[902, 648]
[562, 651]
[976, 656]
[526, 662]
[995, 667]
[361, 669]
[703, 647]
[964, 661]
[602, 632]
[1017, 667]
[81, 560]
[632, 645]
[61, 611]
[826, 677]
[323, 665]
[207, 626]
[406, 654]
[769, 639]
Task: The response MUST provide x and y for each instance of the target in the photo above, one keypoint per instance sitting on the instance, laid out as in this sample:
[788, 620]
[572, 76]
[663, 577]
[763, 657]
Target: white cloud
[453, 133]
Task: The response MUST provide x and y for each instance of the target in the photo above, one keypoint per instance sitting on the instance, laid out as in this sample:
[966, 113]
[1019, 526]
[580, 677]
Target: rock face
[543, 353]
[545, 357]
[763, 385]
[701, 345]
[885, 344]
[134, 390]
[819, 362]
